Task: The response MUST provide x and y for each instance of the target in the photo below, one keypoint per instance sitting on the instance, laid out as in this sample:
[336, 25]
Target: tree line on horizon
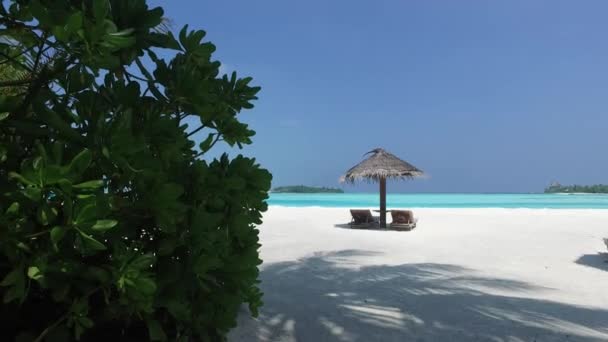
[592, 189]
[307, 189]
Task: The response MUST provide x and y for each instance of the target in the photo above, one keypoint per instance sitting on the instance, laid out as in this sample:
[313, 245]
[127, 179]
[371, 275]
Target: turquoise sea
[355, 200]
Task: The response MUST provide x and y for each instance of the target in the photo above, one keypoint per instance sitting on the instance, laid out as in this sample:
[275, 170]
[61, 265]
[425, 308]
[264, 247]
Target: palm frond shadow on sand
[599, 261]
[327, 298]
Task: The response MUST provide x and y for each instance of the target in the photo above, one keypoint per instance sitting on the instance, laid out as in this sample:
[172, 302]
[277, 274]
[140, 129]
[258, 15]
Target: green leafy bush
[112, 227]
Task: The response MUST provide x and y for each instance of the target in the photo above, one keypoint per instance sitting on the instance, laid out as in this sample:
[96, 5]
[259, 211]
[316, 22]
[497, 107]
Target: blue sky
[484, 96]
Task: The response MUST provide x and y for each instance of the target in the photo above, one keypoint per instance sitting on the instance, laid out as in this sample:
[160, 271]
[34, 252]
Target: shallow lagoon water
[354, 200]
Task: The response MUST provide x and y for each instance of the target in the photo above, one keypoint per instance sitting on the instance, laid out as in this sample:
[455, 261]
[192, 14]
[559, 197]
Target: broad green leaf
[34, 193]
[90, 242]
[109, 26]
[46, 214]
[57, 233]
[11, 294]
[154, 17]
[13, 209]
[41, 13]
[178, 309]
[80, 162]
[52, 174]
[183, 36]
[145, 285]
[12, 277]
[80, 306]
[56, 121]
[3, 154]
[37, 163]
[58, 148]
[103, 225]
[155, 331]
[93, 184]
[143, 262]
[74, 22]
[86, 214]
[123, 33]
[168, 194]
[119, 40]
[78, 331]
[100, 9]
[85, 322]
[21, 179]
[65, 185]
[22, 246]
[205, 263]
[3, 115]
[105, 152]
[98, 274]
[34, 273]
[204, 146]
[78, 80]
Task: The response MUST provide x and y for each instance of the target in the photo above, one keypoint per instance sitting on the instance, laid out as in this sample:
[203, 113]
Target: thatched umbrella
[379, 166]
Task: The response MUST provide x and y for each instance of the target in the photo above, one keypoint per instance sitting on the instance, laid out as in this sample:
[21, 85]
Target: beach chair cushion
[403, 220]
[402, 216]
[361, 216]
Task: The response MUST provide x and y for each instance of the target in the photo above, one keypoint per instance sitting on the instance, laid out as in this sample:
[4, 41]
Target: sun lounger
[362, 218]
[403, 220]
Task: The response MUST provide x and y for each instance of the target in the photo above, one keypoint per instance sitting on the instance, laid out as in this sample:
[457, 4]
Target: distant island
[588, 189]
[301, 189]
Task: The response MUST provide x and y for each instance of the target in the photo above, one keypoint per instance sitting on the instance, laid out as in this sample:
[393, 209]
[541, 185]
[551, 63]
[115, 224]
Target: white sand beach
[462, 275]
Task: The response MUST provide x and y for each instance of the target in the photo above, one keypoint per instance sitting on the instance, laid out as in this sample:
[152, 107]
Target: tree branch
[217, 138]
[135, 76]
[48, 329]
[51, 327]
[149, 79]
[36, 84]
[195, 131]
[14, 60]
[40, 51]
[37, 234]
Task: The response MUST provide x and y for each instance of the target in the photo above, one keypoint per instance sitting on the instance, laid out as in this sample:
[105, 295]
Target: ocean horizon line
[439, 208]
[438, 193]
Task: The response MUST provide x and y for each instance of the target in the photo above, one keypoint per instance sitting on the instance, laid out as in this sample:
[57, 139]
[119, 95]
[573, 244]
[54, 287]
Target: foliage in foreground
[111, 226]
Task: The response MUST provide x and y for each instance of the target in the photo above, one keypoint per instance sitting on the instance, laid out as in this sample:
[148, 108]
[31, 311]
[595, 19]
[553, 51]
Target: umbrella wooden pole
[383, 202]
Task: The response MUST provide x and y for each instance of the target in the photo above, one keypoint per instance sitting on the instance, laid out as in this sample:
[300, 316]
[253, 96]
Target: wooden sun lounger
[403, 220]
[362, 218]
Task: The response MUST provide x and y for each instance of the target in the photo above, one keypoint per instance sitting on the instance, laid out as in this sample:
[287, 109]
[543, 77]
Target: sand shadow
[375, 227]
[599, 261]
[327, 297]
[371, 226]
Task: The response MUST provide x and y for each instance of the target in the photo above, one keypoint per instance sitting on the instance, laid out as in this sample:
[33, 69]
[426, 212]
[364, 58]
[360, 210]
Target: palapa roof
[381, 164]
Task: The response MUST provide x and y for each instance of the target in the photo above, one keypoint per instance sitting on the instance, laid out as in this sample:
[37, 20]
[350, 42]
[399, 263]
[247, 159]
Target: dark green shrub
[111, 226]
